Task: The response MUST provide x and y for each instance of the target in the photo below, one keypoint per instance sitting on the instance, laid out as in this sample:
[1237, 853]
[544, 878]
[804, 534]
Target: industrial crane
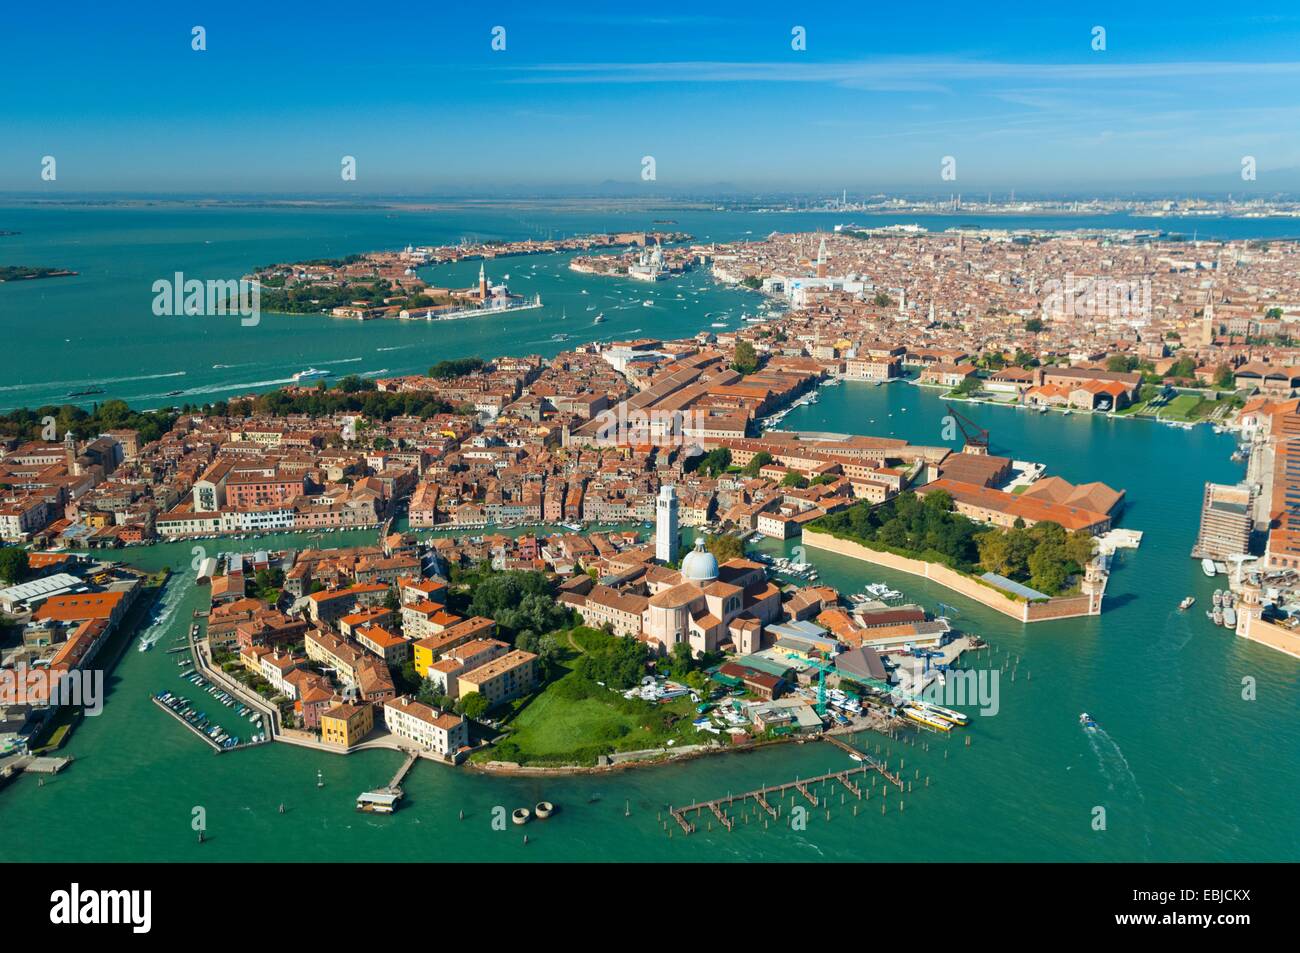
[976, 437]
[822, 668]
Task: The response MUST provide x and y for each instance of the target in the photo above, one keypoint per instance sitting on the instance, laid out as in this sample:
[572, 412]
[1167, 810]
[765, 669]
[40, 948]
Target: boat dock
[801, 786]
[215, 747]
[35, 764]
[403, 771]
[385, 799]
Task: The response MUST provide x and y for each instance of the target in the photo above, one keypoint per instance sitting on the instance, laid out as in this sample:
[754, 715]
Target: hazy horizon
[760, 98]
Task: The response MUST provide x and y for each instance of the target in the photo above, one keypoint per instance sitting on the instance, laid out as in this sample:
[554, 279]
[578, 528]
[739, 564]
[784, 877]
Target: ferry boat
[947, 714]
[1217, 616]
[310, 374]
[923, 717]
[1217, 599]
[1187, 603]
[1087, 721]
[1207, 566]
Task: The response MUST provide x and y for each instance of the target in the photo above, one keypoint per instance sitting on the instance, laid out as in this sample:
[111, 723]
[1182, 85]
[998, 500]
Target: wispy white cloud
[898, 74]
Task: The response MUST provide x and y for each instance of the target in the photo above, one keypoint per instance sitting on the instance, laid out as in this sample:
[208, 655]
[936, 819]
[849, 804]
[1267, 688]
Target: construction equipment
[976, 437]
[822, 669]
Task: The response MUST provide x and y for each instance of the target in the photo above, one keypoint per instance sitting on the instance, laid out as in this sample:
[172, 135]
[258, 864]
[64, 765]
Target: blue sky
[881, 94]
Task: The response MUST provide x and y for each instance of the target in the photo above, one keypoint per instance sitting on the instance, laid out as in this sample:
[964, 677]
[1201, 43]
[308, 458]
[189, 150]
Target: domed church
[707, 605]
[699, 565]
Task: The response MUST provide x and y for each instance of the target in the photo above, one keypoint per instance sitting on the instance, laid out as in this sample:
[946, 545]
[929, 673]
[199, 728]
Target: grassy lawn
[573, 721]
[1187, 407]
[554, 725]
[1140, 408]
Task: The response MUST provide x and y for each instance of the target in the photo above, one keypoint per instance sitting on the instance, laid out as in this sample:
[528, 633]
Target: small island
[19, 272]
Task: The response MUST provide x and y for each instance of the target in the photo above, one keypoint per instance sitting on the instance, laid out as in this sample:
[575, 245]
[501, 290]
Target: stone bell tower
[70, 454]
[1093, 586]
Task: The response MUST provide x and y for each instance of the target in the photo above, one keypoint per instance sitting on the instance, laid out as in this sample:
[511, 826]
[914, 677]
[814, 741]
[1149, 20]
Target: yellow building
[345, 725]
[501, 679]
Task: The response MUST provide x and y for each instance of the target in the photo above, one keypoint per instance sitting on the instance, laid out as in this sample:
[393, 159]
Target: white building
[429, 728]
[666, 525]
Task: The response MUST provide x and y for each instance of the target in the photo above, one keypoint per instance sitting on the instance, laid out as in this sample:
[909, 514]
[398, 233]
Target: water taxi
[924, 717]
[947, 714]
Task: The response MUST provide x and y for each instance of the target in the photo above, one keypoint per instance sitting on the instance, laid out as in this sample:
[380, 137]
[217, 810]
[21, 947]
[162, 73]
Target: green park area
[574, 719]
[1044, 556]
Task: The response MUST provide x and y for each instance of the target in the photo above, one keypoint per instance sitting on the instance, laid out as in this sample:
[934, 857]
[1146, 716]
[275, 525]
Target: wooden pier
[800, 785]
[386, 799]
[403, 771]
[866, 759]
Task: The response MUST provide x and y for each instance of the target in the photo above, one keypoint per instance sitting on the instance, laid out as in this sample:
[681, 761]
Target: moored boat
[947, 714]
[924, 717]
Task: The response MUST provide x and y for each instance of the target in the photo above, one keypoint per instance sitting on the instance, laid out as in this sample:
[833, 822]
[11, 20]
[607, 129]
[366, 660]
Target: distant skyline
[1015, 95]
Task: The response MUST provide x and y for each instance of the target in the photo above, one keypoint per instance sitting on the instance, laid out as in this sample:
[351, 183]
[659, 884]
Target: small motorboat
[1086, 720]
[1187, 603]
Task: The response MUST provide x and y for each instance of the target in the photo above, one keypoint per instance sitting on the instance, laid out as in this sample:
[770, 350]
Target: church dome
[699, 564]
